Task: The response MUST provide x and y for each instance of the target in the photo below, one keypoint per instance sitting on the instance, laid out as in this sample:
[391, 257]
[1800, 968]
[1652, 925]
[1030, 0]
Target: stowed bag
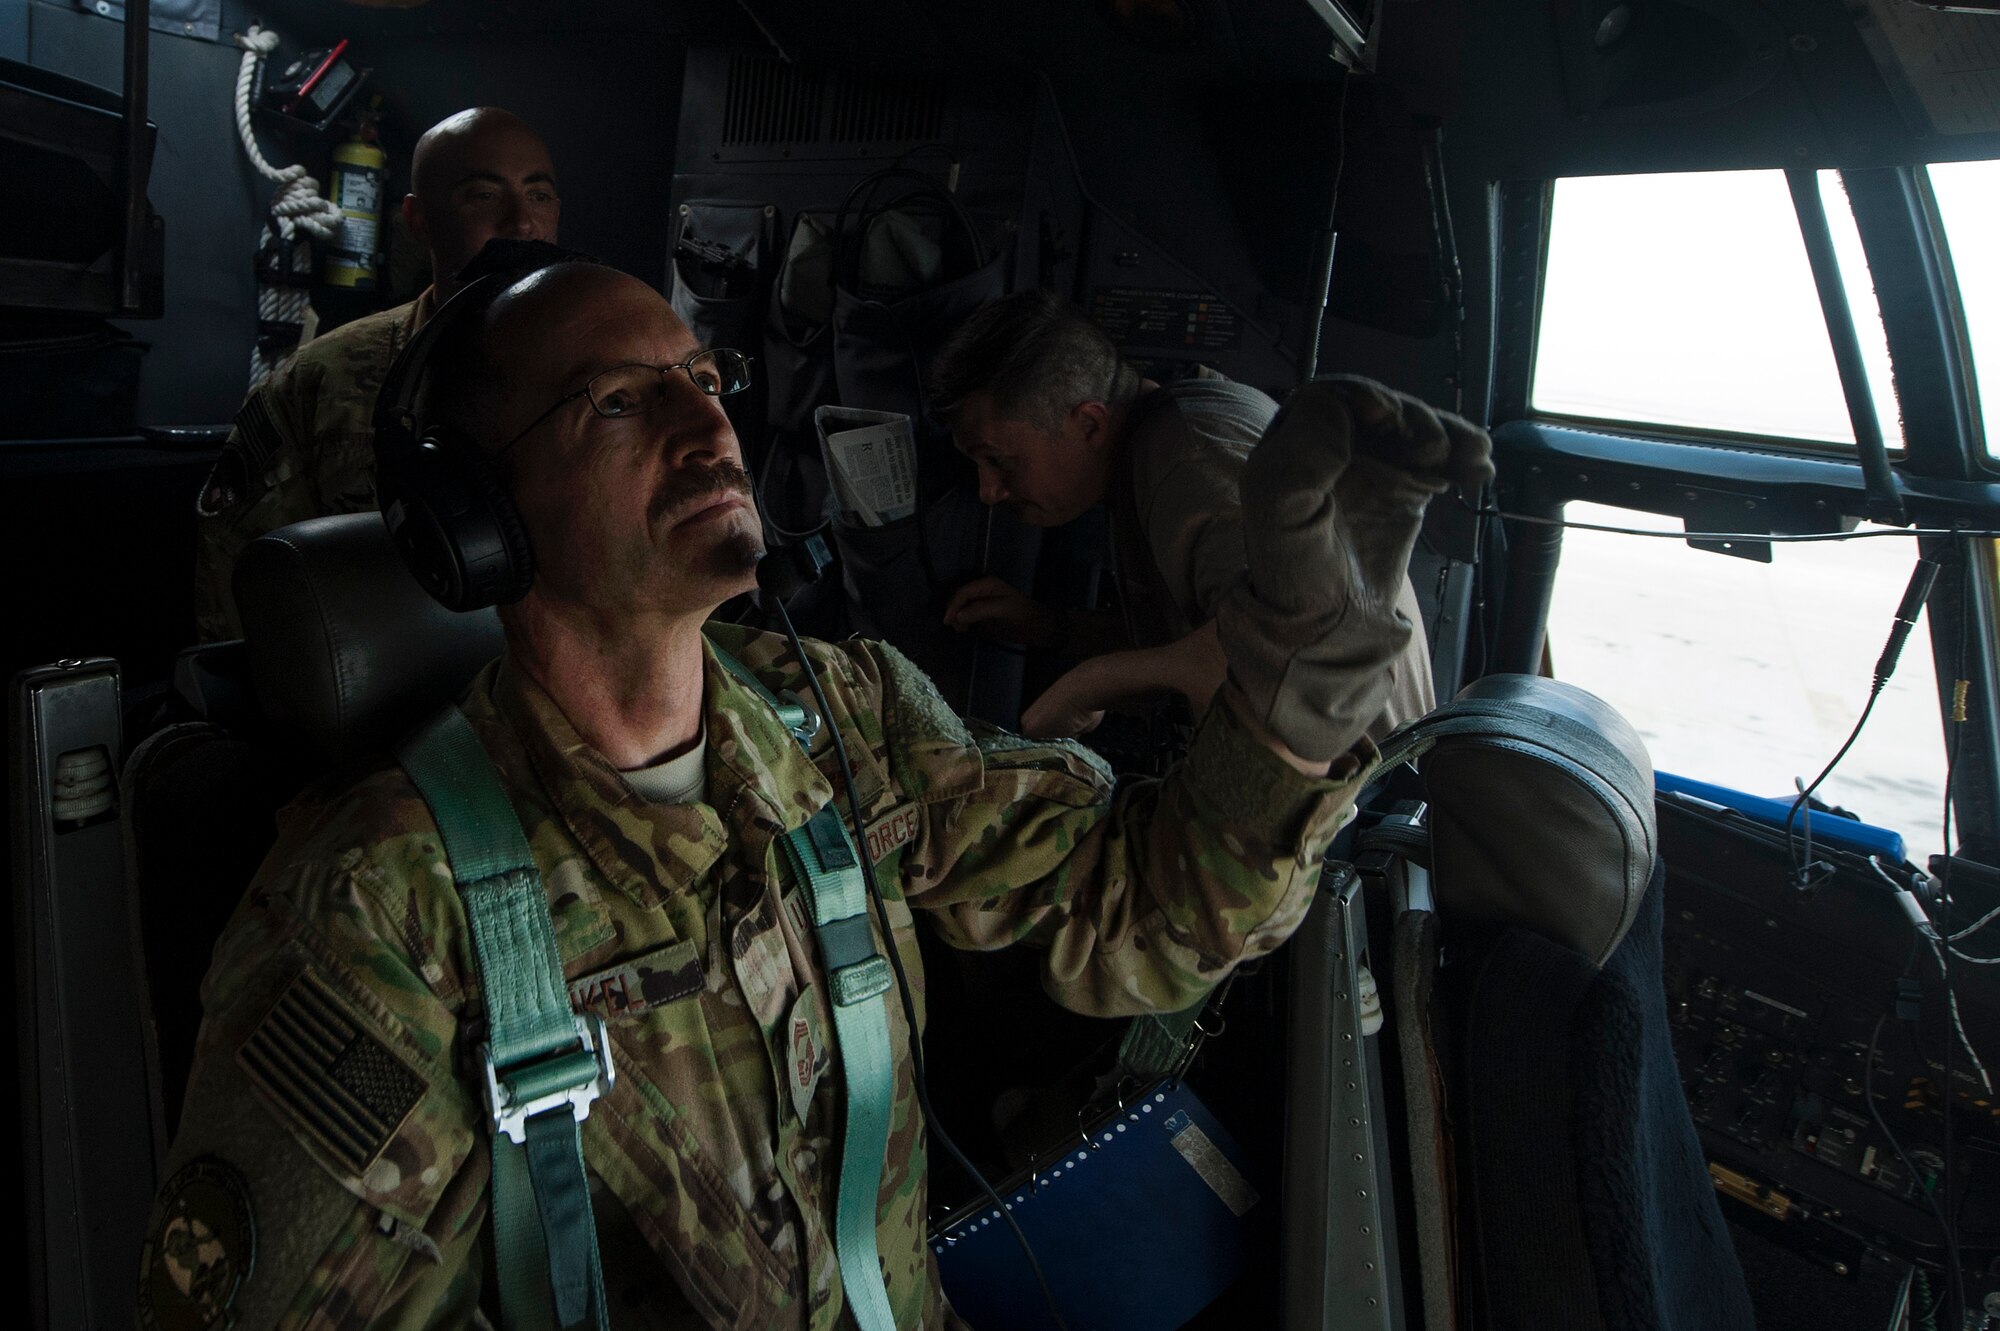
[798, 326]
[1541, 809]
[905, 274]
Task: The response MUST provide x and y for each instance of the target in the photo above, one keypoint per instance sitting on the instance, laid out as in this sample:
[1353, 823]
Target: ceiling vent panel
[768, 104]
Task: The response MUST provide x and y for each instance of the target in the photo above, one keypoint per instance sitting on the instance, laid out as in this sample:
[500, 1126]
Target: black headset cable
[896, 961]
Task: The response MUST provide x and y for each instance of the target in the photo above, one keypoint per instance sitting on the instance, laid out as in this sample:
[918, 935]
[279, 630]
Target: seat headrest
[344, 644]
[1541, 809]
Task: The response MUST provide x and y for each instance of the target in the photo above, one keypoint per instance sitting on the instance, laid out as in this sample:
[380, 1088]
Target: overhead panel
[1942, 69]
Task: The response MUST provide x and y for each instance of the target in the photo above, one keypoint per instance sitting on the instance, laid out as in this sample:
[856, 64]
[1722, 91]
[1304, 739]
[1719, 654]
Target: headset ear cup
[519, 574]
[496, 563]
[455, 524]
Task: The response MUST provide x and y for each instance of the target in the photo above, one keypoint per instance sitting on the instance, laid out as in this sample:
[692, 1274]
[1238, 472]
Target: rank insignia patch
[319, 1068]
[200, 1250]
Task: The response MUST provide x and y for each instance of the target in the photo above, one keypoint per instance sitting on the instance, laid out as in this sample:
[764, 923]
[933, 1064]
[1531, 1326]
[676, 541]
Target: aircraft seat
[343, 651]
[1558, 1179]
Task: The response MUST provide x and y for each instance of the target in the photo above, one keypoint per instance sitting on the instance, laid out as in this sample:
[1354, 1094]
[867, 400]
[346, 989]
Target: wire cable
[1928, 929]
[1747, 537]
[1802, 866]
[916, 1046]
[1915, 596]
[1954, 1295]
[1958, 1022]
[1975, 926]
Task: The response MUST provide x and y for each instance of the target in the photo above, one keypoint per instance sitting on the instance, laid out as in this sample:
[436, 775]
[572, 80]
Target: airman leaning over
[1057, 423]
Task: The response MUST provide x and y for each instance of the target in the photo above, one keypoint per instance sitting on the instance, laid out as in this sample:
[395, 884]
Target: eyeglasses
[634, 390]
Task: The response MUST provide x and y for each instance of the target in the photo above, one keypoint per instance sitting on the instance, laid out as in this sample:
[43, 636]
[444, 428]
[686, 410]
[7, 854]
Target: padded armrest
[344, 645]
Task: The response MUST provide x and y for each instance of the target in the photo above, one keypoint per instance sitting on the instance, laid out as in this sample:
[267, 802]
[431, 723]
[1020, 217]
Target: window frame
[1942, 473]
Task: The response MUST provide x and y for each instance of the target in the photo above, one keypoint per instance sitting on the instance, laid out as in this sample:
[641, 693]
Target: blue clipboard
[1139, 1231]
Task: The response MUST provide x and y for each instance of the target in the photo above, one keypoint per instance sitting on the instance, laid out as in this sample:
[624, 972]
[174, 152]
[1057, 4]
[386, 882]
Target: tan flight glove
[1333, 498]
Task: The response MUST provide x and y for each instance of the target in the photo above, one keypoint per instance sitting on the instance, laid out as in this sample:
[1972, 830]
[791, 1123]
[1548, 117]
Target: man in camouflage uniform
[1038, 397]
[302, 445]
[334, 1125]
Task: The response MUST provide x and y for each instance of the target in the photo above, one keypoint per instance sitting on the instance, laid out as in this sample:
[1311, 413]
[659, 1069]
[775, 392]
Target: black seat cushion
[1586, 1197]
[203, 808]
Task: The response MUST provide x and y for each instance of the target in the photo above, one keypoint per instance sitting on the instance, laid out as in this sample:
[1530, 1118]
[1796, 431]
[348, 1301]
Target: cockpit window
[1750, 675]
[1968, 199]
[1686, 301]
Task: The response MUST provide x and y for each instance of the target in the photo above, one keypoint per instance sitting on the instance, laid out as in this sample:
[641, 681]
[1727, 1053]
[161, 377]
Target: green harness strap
[1156, 1043]
[544, 1064]
[823, 859]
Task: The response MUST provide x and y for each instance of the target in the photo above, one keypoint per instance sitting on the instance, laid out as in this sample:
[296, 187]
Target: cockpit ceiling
[1194, 40]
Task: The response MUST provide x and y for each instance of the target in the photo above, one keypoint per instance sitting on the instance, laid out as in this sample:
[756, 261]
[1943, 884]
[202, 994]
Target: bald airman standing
[302, 445]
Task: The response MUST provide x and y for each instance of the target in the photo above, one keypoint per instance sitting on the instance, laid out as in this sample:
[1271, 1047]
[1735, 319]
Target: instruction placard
[1143, 317]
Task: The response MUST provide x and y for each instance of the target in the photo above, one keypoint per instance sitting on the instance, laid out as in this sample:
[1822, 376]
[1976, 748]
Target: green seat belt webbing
[544, 1064]
[1155, 1045]
[823, 858]
[1162, 1044]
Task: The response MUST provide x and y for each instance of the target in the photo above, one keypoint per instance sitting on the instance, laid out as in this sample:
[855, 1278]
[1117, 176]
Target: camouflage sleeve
[258, 484]
[1142, 899]
[329, 1170]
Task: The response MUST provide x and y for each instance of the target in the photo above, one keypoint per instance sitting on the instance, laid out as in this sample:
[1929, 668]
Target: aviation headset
[446, 506]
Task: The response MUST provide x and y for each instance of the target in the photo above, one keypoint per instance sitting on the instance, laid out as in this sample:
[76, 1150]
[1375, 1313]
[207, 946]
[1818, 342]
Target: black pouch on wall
[798, 377]
[68, 378]
[723, 255]
[798, 332]
[881, 349]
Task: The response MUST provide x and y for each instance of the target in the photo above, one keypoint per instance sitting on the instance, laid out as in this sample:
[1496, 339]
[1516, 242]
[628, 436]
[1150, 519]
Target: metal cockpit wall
[87, 146]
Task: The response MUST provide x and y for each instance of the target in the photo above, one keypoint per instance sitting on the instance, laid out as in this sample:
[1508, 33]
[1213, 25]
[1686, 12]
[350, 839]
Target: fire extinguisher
[360, 169]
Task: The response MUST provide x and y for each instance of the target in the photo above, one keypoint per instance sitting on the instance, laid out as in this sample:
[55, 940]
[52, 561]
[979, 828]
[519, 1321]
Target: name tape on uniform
[631, 987]
[893, 831]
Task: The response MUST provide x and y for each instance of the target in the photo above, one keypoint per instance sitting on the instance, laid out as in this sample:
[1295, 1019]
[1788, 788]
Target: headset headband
[396, 403]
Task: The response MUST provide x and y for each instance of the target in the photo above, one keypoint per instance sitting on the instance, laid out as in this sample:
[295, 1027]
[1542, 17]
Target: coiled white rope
[298, 210]
[298, 202]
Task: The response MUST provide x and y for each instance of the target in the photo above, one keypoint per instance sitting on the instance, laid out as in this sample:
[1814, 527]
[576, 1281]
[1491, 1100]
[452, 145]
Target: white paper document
[871, 460]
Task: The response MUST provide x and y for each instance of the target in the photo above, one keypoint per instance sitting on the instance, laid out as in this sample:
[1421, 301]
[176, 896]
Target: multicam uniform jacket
[302, 446]
[333, 1122]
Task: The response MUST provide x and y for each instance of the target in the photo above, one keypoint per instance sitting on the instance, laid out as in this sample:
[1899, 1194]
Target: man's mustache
[692, 484]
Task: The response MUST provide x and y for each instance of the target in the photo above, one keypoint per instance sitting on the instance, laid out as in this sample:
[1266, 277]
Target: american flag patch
[329, 1076]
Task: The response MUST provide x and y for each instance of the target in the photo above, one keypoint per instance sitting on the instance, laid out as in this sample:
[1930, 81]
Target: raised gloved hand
[1333, 499]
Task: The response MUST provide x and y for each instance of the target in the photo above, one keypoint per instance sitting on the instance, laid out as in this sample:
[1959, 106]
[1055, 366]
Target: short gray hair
[1036, 356]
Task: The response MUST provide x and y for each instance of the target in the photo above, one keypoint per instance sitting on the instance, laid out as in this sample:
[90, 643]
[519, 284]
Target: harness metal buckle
[573, 1077]
[807, 728]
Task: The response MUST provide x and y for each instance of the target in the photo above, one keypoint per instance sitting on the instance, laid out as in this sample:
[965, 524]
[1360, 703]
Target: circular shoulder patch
[200, 1249]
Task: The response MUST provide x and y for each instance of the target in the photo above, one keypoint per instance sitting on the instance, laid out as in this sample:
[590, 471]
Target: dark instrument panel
[1777, 998]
